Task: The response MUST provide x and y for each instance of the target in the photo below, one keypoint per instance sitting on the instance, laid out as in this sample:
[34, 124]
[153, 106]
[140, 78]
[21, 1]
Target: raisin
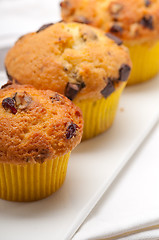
[71, 130]
[9, 103]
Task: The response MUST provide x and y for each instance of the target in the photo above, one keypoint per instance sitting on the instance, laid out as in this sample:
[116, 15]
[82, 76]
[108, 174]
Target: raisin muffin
[134, 21]
[38, 130]
[77, 60]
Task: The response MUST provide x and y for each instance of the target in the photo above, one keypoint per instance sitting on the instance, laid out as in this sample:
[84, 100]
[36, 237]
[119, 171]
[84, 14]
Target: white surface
[93, 166]
[131, 205]
[18, 17]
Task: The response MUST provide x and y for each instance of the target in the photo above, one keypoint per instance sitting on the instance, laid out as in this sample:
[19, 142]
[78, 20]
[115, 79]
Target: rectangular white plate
[93, 166]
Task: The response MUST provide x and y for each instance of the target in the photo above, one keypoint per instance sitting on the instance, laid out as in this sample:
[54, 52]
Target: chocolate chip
[124, 72]
[56, 97]
[72, 89]
[117, 40]
[7, 84]
[147, 22]
[147, 3]
[116, 29]
[9, 103]
[71, 130]
[108, 89]
[44, 27]
[82, 19]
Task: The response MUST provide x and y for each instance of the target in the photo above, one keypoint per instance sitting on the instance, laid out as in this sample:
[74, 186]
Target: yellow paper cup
[99, 114]
[32, 181]
[145, 60]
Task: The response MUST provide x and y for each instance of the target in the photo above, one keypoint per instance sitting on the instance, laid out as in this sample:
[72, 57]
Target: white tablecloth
[132, 202]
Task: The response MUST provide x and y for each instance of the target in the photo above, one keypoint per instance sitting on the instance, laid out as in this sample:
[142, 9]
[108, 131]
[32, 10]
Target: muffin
[134, 21]
[38, 130]
[81, 62]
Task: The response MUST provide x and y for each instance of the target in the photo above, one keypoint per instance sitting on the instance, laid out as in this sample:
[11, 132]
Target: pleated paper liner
[145, 60]
[31, 181]
[99, 114]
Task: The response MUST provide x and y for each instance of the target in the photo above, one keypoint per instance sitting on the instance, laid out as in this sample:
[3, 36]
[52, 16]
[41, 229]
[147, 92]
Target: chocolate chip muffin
[82, 62]
[38, 130]
[135, 22]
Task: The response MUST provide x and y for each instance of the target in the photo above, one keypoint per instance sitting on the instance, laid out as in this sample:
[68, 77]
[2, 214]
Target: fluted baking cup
[32, 181]
[145, 60]
[99, 114]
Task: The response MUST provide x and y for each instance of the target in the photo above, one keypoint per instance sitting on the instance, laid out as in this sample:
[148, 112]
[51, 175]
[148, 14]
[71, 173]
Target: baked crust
[132, 20]
[45, 125]
[65, 53]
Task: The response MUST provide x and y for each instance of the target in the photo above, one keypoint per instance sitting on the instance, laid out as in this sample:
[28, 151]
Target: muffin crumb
[44, 125]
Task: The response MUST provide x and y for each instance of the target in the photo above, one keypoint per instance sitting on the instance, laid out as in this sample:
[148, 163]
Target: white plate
[93, 166]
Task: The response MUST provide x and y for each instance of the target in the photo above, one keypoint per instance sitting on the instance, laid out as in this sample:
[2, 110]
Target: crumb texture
[135, 20]
[44, 125]
[70, 58]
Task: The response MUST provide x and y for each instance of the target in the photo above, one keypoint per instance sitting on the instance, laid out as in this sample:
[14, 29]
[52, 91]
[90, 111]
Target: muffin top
[74, 59]
[131, 20]
[36, 125]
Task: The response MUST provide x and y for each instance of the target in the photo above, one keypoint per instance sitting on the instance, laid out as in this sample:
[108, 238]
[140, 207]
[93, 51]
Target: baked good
[79, 61]
[134, 21]
[38, 130]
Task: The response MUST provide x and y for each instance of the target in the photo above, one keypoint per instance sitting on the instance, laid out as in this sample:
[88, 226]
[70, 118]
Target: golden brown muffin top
[131, 20]
[74, 59]
[36, 125]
